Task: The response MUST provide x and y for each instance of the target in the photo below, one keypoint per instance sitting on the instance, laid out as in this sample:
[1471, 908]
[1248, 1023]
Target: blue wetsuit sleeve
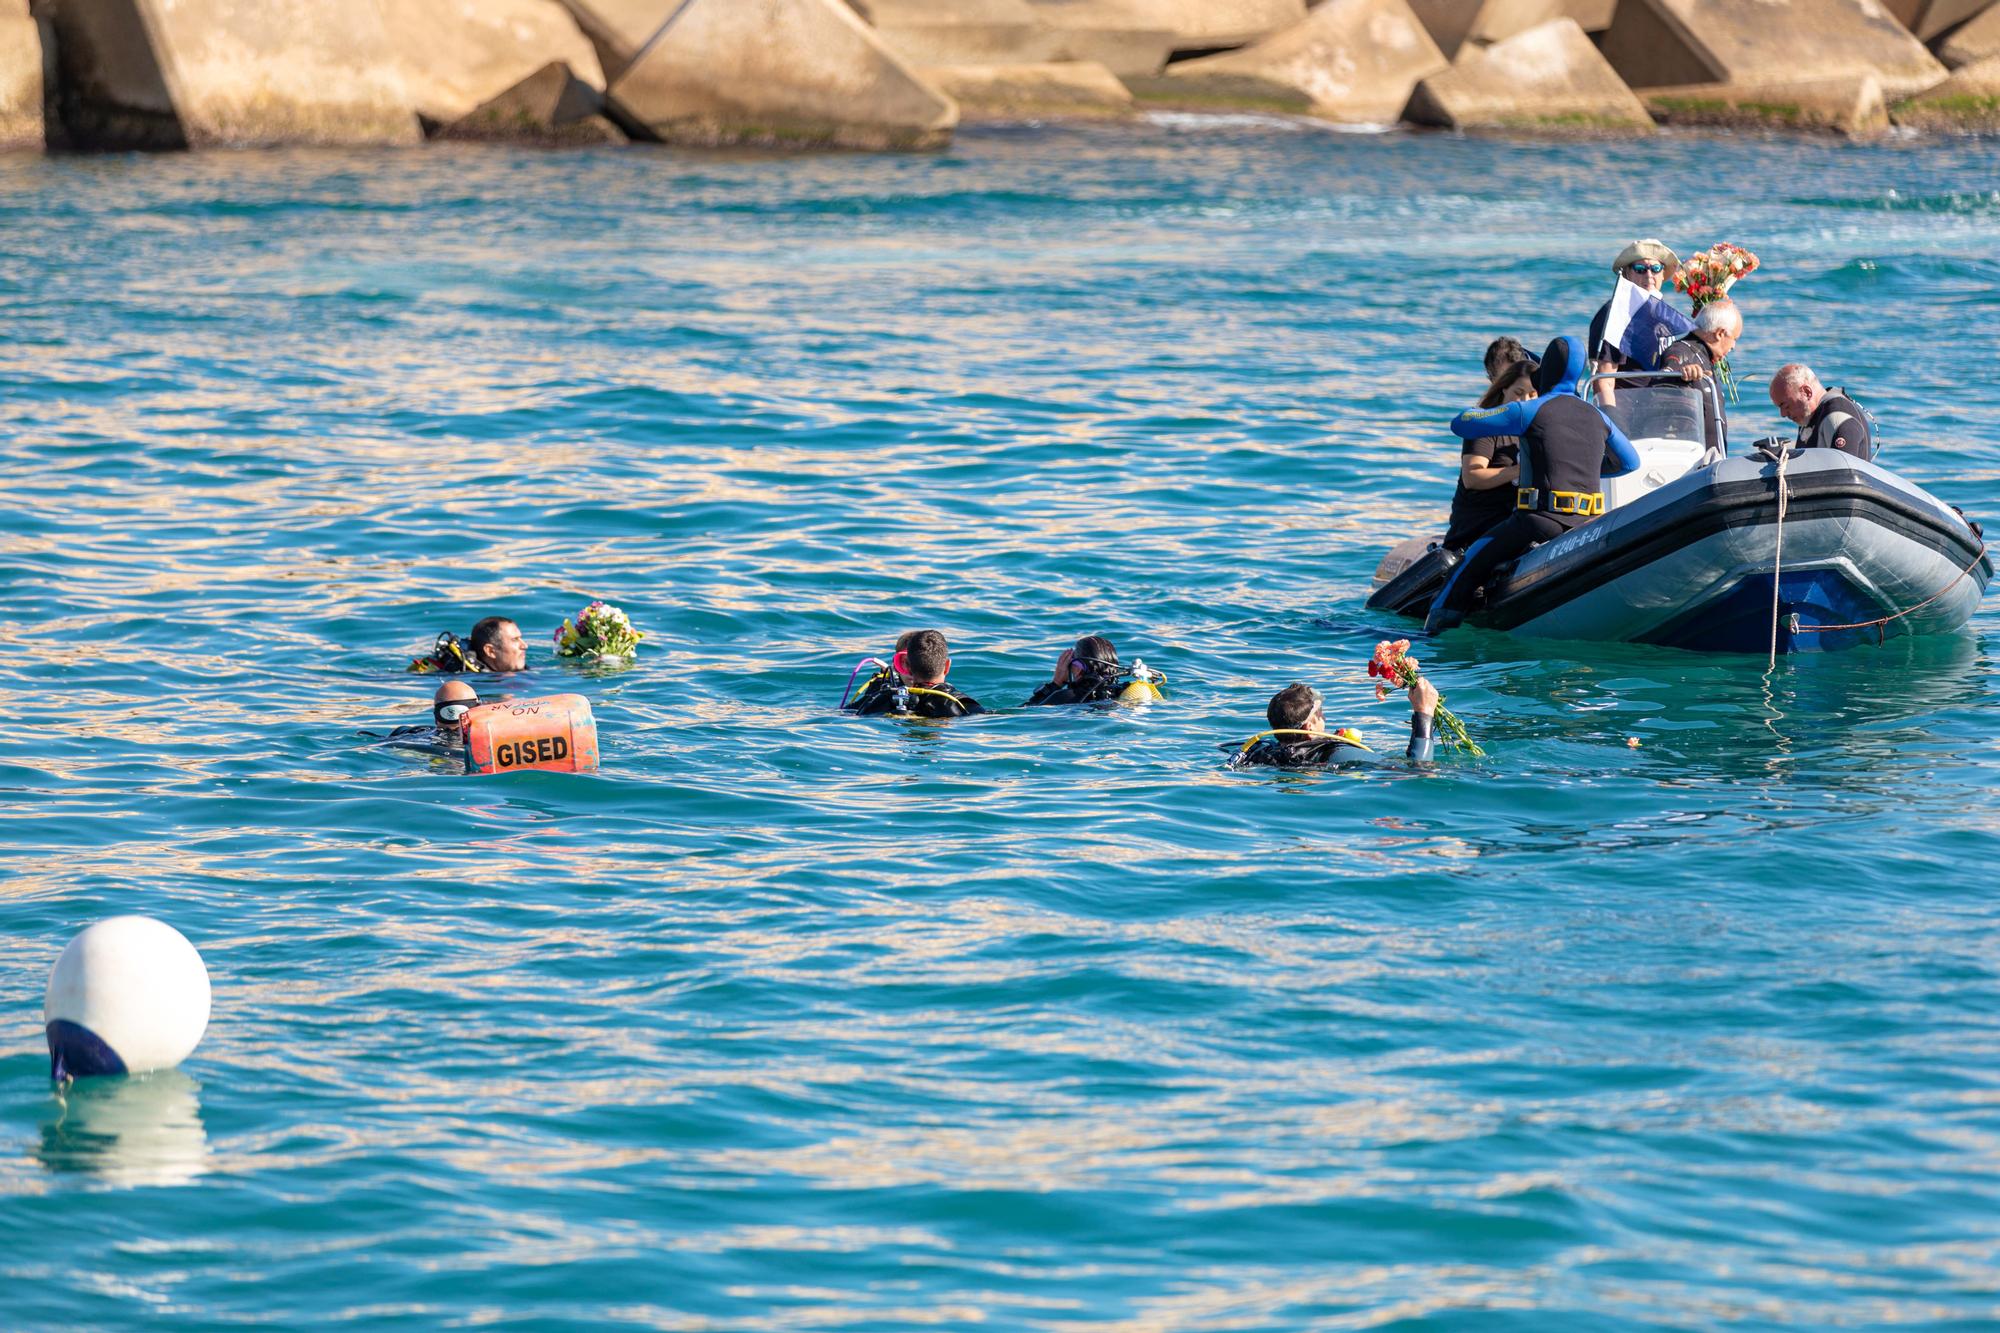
[1511, 419]
[1620, 450]
[1422, 744]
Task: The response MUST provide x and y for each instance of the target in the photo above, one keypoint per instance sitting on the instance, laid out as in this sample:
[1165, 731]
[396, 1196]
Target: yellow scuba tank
[1144, 687]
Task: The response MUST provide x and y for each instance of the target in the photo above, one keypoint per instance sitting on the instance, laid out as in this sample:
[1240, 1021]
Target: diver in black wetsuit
[1826, 418]
[1087, 673]
[1566, 445]
[1298, 737]
[913, 683]
[496, 646]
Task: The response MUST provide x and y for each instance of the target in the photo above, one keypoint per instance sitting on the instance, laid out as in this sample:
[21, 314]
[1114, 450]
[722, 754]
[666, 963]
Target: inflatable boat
[1691, 541]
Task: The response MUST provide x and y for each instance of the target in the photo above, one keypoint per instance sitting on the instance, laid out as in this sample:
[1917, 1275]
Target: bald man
[453, 700]
[1827, 418]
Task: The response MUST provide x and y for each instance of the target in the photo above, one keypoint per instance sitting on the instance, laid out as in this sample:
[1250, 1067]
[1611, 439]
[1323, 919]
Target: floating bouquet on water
[1708, 277]
[1392, 665]
[600, 630]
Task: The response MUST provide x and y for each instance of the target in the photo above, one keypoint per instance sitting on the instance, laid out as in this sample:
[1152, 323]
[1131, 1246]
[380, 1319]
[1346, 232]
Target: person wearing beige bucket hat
[1648, 264]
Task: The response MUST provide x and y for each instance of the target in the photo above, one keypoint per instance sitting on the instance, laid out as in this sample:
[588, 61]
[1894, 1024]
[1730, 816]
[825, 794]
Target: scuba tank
[448, 656]
[1144, 684]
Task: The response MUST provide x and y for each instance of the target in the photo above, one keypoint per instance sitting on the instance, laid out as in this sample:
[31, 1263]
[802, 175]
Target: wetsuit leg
[1504, 543]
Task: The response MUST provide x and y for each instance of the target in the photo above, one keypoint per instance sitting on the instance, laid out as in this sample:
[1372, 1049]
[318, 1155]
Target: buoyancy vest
[885, 692]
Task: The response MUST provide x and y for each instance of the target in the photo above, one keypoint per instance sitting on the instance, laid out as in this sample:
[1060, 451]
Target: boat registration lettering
[1584, 536]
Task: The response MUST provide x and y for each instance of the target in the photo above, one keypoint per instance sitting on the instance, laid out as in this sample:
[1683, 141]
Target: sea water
[1680, 1009]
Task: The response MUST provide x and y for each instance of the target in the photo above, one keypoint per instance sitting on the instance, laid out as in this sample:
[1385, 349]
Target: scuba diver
[1091, 673]
[453, 700]
[1826, 418]
[1566, 446]
[912, 682]
[1298, 737]
[496, 646]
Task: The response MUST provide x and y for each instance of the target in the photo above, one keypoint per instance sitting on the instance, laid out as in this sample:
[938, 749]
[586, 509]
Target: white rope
[1778, 560]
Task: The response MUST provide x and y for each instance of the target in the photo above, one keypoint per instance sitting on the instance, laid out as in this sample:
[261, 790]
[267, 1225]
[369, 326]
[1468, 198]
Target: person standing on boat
[1648, 265]
[1693, 358]
[1827, 418]
[1566, 446]
[1489, 466]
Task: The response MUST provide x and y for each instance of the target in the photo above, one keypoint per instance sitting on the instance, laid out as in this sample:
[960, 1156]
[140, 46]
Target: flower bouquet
[601, 631]
[1708, 277]
[1393, 666]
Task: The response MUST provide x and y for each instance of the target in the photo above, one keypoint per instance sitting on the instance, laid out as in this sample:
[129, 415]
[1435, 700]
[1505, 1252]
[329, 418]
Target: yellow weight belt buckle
[1579, 504]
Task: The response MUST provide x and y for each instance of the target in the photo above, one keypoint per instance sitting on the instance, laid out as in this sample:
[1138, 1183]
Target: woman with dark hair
[1087, 673]
[1488, 468]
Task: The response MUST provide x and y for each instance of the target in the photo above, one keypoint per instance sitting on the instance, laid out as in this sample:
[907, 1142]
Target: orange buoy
[556, 734]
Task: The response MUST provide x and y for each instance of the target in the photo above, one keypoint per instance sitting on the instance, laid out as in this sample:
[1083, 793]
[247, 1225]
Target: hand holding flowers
[1393, 666]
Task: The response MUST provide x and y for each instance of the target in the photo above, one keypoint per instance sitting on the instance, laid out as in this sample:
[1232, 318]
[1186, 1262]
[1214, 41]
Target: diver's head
[496, 642]
[1297, 707]
[924, 657]
[1094, 656]
[1514, 384]
[1562, 362]
[1647, 264]
[453, 700]
[1719, 324]
[1796, 391]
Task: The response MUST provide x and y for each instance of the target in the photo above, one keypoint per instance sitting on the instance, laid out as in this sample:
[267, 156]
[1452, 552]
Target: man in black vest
[1827, 418]
[1693, 358]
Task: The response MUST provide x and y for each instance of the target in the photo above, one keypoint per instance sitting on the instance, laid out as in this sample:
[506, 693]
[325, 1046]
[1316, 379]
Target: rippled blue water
[1045, 1021]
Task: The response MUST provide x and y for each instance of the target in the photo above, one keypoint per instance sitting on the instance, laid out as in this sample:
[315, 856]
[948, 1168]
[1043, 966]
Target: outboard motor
[1410, 592]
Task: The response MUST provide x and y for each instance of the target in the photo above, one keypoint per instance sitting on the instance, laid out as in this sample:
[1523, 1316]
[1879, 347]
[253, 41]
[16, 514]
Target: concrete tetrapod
[1547, 79]
[1967, 102]
[1351, 60]
[1131, 38]
[1454, 24]
[1848, 103]
[458, 54]
[782, 73]
[551, 108]
[224, 73]
[1976, 41]
[20, 79]
[961, 32]
[1761, 43]
[1207, 25]
[1927, 20]
[1067, 89]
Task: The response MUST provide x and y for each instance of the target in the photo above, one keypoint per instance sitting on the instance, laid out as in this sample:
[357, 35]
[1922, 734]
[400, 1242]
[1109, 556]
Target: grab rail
[1668, 380]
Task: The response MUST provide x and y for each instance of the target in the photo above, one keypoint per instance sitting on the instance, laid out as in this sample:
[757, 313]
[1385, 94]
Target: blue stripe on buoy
[77, 1052]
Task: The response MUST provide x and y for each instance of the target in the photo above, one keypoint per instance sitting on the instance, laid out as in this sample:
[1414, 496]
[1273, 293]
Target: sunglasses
[1647, 268]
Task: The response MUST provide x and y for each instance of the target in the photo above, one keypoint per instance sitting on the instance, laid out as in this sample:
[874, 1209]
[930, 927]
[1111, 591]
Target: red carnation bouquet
[1708, 277]
[1392, 665]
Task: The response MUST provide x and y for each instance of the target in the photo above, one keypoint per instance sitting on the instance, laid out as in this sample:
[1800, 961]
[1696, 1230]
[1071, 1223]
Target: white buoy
[128, 995]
